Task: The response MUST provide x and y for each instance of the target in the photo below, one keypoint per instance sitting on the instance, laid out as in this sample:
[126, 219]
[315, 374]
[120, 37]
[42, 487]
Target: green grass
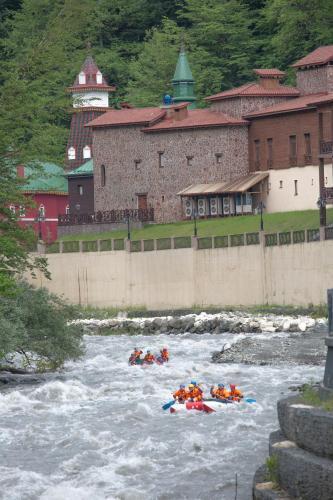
[311, 397]
[272, 465]
[277, 222]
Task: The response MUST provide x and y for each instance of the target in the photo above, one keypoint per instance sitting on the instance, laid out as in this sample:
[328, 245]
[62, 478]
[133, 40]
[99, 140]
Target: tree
[33, 326]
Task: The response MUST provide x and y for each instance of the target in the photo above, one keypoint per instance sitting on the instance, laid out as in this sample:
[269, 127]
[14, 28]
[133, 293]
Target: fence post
[80, 246]
[41, 247]
[322, 233]
[155, 244]
[194, 242]
[127, 245]
[61, 246]
[172, 242]
[98, 245]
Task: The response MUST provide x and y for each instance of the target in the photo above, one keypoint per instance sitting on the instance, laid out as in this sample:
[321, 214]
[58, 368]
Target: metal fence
[108, 216]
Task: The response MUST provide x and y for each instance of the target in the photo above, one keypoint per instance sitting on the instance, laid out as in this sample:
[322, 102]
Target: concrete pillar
[322, 233]
[98, 245]
[328, 376]
[127, 245]
[41, 247]
[194, 241]
[80, 246]
[172, 239]
[61, 246]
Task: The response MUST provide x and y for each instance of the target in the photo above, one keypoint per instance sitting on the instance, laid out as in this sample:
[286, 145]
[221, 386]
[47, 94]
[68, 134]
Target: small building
[81, 189]
[47, 187]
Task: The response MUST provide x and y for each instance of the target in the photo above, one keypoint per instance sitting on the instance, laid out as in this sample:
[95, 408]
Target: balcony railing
[109, 216]
[326, 147]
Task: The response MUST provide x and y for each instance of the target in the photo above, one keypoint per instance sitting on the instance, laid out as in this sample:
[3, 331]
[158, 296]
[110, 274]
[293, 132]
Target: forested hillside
[135, 43]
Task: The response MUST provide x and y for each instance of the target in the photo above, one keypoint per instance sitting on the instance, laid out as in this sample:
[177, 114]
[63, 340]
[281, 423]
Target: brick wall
[118, 147]
[239, 106]
[315, 80]
[279, 128]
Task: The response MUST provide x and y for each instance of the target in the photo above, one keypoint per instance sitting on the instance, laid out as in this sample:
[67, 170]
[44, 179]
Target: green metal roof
[45, 177]
[86, 169]
[183, 71]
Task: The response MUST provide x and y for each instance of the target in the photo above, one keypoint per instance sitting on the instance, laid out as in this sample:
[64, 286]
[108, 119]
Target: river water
[97, 431]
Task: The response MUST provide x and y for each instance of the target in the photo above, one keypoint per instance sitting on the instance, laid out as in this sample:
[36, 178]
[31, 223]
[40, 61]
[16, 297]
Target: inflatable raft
[207, 405]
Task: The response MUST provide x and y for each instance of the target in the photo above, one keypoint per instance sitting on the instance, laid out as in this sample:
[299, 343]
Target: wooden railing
[109, 216]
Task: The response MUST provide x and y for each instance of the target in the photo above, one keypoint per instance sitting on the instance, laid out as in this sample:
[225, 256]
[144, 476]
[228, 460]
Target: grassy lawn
[277, 222]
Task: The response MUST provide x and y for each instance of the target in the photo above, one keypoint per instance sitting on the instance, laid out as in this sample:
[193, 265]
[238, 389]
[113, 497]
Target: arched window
[102, 175]
[41, 211]
[99, 78]
[86, 152]
[82, 78]
[67, 209]
[71, 153]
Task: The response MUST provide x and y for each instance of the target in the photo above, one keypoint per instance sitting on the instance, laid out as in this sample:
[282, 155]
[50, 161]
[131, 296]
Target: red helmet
[165, 349]
[232, 386]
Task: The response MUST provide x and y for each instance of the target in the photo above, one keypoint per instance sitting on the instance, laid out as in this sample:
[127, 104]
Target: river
[97, 431]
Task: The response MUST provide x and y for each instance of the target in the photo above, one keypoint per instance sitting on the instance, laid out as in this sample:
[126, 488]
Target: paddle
[250, 400]
[167, 405]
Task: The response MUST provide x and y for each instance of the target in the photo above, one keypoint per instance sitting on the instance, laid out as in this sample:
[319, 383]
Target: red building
[49, 192]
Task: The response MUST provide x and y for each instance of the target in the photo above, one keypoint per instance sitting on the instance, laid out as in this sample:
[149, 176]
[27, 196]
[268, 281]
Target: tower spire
[183, 81]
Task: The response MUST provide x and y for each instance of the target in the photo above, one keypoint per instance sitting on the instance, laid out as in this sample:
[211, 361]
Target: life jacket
[149, 358]
[195, 394]
[165, 355]
[181, 394]
[221, 393]
[236, 394]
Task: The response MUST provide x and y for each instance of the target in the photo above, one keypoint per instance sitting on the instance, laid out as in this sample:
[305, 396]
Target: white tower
[90, 90]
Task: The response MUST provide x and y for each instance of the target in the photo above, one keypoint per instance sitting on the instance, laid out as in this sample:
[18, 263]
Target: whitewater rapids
[97, 431]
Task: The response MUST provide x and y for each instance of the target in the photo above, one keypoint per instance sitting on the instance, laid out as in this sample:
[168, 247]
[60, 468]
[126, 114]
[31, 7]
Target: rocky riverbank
[224, 322]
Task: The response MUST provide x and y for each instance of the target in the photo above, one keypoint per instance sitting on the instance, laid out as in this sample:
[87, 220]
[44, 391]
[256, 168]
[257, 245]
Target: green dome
[45, 177]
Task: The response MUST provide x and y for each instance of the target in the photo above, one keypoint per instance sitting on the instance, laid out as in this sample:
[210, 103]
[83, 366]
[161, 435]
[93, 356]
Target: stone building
[257, 142]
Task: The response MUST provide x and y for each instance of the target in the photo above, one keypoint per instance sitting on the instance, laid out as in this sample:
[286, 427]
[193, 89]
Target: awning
[240, 185]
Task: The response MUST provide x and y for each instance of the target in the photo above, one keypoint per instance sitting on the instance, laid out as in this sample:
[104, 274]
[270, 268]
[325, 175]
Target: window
[103, 175]
[80, 189]
[218, 157]
[67, 209]
[257, 153]
[162, 197]
[82, 78]
[281, 184]
[296, 187]
[71, 153]
[293, 149]
[312, 182]
[326, 180]
[137, 164]
[99, 78]
[86, 152]
[189, 160]
[307, 149]
[269, 153]
[160, 159]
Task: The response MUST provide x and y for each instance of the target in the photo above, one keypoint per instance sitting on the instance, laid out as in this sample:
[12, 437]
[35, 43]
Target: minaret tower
[183, 82]
[90, 93]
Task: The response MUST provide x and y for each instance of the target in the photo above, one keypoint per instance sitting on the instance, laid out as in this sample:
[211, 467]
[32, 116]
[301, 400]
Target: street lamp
[40, 217]
[194, 217]
[321, 204]
[261, 208]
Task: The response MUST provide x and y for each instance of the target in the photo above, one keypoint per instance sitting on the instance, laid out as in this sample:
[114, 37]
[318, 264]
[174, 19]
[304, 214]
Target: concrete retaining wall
[296, 274]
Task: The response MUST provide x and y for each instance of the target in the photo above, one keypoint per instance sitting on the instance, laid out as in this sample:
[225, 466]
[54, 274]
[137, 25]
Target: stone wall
[315, 80]
[303, 453]
[240, 106]
[297, 274]
[118, 147]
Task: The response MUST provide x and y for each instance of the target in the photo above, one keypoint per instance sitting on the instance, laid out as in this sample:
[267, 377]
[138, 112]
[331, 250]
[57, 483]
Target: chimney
[269, 78]
[20, 171]
[176, 112]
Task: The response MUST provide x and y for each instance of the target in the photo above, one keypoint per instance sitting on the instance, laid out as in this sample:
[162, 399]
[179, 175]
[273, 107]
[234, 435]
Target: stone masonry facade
[131, 159]
[315, 80]
[240, 106]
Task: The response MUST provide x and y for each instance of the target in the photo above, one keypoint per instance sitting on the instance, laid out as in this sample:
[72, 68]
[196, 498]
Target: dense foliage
[33, 327]
[135, 43]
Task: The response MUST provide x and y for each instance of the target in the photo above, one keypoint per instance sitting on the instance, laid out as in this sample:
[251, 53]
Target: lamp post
[261, 208]
[194, 217]
[321, 204]
[40, 218]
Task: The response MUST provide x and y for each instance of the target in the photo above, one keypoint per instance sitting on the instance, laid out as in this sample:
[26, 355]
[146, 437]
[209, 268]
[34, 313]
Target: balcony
[293, 161]
[326, 147]
[307, 159]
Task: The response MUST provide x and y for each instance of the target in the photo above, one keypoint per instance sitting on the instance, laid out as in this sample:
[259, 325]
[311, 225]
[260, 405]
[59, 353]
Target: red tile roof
[270, 72]
[255, 90]
[90, 69]
[321, 55]
[196, 118]
[298, 104]
[134, 116]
